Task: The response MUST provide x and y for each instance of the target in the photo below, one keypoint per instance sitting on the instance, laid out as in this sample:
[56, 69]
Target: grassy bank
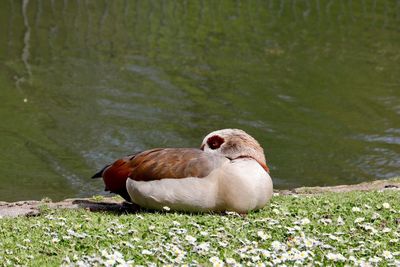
[331, 229]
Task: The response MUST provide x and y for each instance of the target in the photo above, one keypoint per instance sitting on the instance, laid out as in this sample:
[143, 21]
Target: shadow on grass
[130, 208]
[116, 208]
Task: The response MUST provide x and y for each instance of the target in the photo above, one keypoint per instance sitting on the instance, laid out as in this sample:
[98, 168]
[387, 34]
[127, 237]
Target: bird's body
[227, 173]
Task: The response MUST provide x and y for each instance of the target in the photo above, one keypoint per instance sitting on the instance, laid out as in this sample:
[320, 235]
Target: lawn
[354, 228]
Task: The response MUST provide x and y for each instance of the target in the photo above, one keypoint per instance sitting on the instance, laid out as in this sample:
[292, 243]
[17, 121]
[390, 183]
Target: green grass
[331, 229]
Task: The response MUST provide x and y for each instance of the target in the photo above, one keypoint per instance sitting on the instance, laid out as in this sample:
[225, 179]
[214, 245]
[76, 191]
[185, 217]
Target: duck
[227, 173]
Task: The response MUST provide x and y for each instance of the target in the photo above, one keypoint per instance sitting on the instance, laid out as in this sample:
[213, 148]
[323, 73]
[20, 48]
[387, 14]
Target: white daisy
[359, 220]
[325, 221]
[231, 261]
[303, 221]
[375, 259]
[335, 257]
[146, 252]
[202, 248]
[216, 262]
[375, 216]
[190, 239]
[263, 235]
[356, 209]
[277, 246]
[387, 254]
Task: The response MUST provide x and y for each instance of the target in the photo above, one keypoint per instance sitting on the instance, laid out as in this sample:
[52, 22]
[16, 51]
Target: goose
[227, 173]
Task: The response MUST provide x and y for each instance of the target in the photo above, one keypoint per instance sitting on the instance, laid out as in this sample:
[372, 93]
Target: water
[85, 82]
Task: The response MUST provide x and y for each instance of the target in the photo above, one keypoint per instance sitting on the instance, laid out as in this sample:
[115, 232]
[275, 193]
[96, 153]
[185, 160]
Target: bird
[227, 173]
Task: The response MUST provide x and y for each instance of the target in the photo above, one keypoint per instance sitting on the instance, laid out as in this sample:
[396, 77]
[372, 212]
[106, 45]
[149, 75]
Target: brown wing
[162, 163]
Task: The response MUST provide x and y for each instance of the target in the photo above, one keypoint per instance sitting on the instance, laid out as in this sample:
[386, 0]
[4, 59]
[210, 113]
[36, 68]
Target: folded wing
[176, 163]
[157, 164]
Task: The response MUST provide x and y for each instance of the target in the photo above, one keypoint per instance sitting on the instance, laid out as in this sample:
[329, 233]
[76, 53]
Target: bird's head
[233, 144]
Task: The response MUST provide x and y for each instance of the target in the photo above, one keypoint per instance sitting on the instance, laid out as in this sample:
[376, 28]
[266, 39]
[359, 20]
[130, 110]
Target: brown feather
[159, 163]
[176, 163]
[116, 174]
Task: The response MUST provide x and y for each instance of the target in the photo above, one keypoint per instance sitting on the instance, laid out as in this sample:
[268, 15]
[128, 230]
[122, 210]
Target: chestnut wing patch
[176, 163]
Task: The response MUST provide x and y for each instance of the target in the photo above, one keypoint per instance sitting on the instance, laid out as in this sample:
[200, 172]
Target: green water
[85, 82]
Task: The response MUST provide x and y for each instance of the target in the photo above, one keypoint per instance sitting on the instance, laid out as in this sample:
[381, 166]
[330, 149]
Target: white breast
[240, 185]
[244, 185]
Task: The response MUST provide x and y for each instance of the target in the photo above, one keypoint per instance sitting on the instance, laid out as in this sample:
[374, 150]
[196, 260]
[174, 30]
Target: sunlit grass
[331, 229]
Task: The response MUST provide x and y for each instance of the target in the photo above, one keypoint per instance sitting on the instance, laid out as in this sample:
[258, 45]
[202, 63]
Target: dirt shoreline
[113, 204]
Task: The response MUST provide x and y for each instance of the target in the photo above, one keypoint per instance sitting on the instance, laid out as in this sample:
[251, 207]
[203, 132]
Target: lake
[86, 82]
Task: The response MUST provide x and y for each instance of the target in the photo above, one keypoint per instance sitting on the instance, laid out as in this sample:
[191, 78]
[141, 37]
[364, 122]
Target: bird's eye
[215, 141]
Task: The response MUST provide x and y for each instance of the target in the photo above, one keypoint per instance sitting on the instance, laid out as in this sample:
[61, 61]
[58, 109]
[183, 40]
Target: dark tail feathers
[100, 173]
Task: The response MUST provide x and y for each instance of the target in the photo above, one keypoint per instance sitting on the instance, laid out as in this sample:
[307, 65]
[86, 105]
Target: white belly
[240, 185]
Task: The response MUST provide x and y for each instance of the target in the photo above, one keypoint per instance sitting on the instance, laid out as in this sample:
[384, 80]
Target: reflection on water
[84, 82]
